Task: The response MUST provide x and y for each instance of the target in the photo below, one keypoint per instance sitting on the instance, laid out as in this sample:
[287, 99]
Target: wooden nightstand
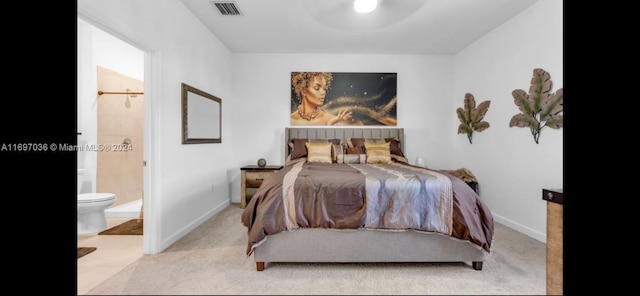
[252, 177]
[554, 198]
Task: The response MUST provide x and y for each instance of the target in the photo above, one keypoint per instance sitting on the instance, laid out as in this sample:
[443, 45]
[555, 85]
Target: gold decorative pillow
[378, 153]
[358, 144]
[298, 149]
[319, 152]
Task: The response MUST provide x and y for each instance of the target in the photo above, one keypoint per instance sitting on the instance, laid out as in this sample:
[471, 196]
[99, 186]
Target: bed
[347, 209]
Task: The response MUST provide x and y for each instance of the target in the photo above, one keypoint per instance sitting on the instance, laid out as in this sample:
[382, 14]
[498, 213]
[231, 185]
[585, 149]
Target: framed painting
[343, 98]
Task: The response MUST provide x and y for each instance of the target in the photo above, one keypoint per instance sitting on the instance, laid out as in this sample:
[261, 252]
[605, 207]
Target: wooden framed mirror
[201, 116]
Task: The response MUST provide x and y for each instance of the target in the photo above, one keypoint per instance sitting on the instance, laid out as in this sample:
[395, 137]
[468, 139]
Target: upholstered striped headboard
[340, 133]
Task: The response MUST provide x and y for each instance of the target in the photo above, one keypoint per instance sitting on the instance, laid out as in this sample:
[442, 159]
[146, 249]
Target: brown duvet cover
[391, 197]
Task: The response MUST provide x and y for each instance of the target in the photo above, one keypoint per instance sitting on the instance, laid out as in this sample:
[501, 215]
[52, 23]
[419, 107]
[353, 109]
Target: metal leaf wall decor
[471, 117]
[540, 108]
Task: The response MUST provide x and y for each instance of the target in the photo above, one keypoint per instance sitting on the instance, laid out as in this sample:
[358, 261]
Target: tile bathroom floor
[113, 253]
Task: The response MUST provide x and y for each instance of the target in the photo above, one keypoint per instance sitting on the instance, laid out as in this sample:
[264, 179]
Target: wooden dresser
[554, 200]
[252, 177]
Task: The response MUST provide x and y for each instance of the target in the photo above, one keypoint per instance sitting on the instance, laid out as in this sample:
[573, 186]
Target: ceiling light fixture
[365, 6]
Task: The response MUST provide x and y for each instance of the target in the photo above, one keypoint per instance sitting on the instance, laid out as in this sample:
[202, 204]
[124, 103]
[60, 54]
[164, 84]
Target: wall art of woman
[343, 98]
[310, 89]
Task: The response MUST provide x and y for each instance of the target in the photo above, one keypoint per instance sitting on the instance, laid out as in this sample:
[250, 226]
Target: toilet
[91, 207]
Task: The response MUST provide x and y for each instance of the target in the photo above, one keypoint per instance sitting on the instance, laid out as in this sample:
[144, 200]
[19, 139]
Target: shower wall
[120, 128]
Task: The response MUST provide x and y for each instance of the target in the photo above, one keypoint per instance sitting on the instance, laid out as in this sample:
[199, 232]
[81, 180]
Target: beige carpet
[211, 260]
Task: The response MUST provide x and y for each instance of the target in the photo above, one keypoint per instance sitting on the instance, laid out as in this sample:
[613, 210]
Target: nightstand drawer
[254, 179]
[554, 198]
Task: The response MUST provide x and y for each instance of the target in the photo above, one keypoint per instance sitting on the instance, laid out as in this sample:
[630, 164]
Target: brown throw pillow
[299, 149]
[355, 150]
[395, 146]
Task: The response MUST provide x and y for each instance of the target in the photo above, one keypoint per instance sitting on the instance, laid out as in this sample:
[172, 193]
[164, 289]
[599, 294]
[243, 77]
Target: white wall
[262, 88]
[188, 182]
[511, 167]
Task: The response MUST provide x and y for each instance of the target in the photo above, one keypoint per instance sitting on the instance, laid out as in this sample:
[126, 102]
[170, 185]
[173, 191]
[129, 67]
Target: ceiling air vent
[227, 7]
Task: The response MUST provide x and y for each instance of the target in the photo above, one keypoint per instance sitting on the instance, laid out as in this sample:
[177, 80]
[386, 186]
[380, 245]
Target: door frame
[151, 241]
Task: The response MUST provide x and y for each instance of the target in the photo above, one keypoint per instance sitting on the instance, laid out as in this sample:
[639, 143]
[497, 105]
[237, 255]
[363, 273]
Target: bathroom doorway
[111, 121]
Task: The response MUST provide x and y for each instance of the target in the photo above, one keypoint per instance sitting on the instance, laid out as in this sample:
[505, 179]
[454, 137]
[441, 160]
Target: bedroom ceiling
[332, 26]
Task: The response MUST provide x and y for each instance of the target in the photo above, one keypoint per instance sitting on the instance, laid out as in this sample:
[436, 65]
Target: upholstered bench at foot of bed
[476, 265]
[341, 245]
